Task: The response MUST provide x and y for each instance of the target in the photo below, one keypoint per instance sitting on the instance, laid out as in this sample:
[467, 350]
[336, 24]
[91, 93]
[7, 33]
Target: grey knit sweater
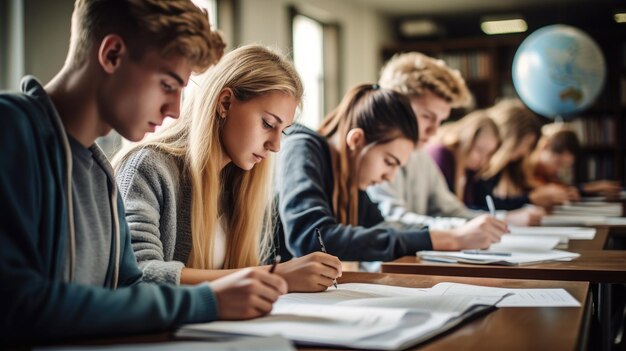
[157, 195]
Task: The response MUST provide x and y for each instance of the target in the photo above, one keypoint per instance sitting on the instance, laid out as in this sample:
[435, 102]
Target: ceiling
[446, 7]
[462, 18]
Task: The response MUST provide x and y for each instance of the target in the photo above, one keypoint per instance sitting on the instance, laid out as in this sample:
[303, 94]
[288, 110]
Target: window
[315, 57]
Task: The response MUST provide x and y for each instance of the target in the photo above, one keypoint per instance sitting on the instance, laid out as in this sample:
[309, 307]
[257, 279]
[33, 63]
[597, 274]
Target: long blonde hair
[384, 115]
[462, 134]
[244, 198]
[515, 121]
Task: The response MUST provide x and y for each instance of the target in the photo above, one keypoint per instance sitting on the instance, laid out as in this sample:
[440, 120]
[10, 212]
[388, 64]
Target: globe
[558, 70]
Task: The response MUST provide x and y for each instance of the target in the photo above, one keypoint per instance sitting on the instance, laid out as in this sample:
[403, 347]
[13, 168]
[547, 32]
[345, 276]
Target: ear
[355, 139]
[224, 100]
[112, 49]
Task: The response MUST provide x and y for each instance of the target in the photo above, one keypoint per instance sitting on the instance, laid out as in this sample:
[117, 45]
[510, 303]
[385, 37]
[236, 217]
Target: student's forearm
[192, 276]
[444, 240]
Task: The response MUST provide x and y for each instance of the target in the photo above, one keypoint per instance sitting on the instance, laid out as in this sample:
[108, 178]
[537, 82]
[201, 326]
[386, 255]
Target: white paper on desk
[521, 297]
[615, 221]
[274, 343]
[348, 292]
[313, 323]
[516, 258]
[608, 209]
[576, 220]
[525, 243]
[572, 233]
[327, 318]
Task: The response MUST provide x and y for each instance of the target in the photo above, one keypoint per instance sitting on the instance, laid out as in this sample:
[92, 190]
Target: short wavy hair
[175, 28]
[414, 73]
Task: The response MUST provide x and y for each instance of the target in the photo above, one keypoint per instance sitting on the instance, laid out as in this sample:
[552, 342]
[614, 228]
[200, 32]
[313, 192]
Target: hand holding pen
[276, 262]
[319, 238]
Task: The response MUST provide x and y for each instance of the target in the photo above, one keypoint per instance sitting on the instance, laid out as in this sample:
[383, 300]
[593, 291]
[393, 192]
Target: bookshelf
[486, 64]
[482, 61]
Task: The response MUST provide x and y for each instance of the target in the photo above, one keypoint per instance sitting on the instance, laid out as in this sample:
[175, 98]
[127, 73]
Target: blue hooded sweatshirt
[38, 303]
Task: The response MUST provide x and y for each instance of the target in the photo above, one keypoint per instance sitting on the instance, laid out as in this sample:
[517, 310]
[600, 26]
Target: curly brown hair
[173, 27]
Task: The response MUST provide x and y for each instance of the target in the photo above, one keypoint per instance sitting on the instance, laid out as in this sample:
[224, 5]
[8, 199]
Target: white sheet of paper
[610, 209]
[314, 323]
[521, 297]
[516, 258]
[348, 292]
[574, 233]
[615, 221]
[525, 243]
[274, 343]
[576, 220]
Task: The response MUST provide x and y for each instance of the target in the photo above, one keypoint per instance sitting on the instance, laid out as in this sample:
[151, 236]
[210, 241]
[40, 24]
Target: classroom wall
[364, 30]
[46, 36]
[47, 32]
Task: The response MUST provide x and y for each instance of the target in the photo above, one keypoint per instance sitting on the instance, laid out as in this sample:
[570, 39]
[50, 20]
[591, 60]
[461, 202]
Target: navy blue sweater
[305, 188]
[485, 187]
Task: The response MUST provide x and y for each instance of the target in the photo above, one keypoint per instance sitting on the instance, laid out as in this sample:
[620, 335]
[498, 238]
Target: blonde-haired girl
[198, 193]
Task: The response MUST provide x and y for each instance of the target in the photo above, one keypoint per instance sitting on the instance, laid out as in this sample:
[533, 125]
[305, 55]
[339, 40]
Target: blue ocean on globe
[558, 70]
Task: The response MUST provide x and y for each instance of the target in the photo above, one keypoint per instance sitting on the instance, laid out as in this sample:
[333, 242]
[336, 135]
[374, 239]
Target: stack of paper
[367, 316]
[604, 209]
[512, 250]
[563, 233]
[515, 259]
[559, 220]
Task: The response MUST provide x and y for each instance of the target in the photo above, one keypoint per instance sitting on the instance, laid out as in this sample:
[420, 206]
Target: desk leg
[604, 309]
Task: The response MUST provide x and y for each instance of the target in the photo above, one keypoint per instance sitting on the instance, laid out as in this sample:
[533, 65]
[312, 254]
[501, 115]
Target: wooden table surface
[524, 328]
[595, 266]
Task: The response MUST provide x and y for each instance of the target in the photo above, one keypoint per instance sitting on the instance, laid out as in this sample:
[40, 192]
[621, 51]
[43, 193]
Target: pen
[319, 238]
[486, 252]
[490, 205]
[276, 262]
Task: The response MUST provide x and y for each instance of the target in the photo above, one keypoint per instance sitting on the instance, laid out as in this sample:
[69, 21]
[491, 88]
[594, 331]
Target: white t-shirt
[219, 245]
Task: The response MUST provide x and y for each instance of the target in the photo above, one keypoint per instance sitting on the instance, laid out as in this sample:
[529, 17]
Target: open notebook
[512, 250]
[362, 316]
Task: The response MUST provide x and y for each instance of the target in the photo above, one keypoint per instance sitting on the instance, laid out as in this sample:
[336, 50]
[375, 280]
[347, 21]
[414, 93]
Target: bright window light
[516, 25]
[620, 17]
[308, 40]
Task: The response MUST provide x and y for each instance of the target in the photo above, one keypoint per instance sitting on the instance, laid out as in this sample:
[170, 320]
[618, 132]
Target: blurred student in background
[462, 149]
[507, 176]
[419, 195]
[553, 160]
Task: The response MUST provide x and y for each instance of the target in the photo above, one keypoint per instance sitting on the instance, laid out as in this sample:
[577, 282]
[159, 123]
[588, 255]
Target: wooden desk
[596, 266]
[537, 328]
[506, 328]
[604, 267]
[598, 242]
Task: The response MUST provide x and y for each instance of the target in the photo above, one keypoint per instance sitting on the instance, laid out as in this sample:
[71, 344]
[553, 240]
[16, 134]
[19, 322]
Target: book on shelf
[595, 131]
